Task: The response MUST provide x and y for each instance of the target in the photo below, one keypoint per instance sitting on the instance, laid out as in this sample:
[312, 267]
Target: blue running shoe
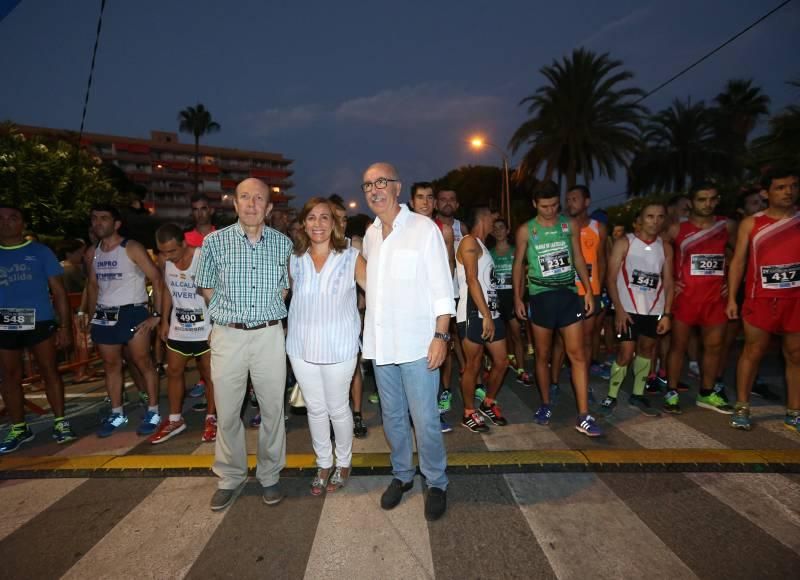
[543, 415]
[741, 417]
[149, 424]
[444, 426]
[587, 425]
[111, 423]
[63, 433]
[198, 390]
[605, 372]
[18, 435]
[792, 421]
[555, 391]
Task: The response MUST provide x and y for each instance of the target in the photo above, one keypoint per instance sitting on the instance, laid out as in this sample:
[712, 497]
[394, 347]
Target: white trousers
[262, 354]
[326, 390]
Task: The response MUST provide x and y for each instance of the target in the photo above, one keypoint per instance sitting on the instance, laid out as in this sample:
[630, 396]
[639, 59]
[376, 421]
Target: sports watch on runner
[445, 336]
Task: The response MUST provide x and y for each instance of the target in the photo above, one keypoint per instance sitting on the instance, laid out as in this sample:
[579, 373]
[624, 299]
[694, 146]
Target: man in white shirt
[407, 339]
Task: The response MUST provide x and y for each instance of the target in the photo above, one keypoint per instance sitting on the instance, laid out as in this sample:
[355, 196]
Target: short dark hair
[546, 190]
[703, 185]
[583, 189]
[337, 200]
[169, 231]
[108, 209]
[475, 213]
[417, 185]
[439, 190]
[774, 173]
[199, 197]
[15, 208]
[675, 199]
[68, 246]
[746, 192]
[640, 213]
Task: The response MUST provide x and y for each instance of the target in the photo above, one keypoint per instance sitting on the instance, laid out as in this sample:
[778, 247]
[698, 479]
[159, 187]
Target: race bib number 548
[17, 318]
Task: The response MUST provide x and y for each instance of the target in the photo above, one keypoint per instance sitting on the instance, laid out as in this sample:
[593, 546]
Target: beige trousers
[262, 354]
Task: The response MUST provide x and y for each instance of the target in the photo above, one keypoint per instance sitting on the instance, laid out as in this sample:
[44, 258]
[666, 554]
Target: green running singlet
[549, 253]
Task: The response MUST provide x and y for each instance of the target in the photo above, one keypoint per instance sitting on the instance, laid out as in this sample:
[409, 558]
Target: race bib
[17, 318]
[708, 265]
[555, 263]
[189, 317]
[503, 281]
[779, 277]
[644, 281]
[106, 316]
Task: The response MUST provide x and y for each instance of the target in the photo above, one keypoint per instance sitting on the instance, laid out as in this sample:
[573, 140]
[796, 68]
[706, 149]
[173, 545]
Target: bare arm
[361, 272]
[518, 270]
[580, 266]
[61, 303]
[618, 251]
[141, 258]
[206, 293]
[165, 309]
[602, 262]
[737, 267]
[668, 285]
[91, 291]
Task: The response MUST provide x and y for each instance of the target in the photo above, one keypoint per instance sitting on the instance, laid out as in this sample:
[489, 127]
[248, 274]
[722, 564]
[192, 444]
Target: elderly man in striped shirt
[243, 275]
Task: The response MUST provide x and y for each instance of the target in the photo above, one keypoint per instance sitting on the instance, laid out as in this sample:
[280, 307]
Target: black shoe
[394, 493]
[359, 429]
[762, 390]
[641, 403]
[435, 504]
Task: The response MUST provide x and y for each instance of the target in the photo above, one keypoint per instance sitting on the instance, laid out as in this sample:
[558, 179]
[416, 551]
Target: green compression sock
[641, 368]
[617, 377]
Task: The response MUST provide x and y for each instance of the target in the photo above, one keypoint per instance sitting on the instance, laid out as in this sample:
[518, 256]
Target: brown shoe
[338, 479]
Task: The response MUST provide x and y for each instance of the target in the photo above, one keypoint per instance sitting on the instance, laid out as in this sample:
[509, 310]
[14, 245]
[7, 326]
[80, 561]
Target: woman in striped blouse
[322, 339]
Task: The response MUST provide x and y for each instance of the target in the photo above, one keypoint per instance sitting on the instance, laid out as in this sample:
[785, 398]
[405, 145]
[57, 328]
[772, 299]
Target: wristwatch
[445, 336]
[155, 314]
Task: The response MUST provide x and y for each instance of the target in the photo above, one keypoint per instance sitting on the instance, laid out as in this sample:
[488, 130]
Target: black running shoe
[359, 429]
[641, 403]
[474, 422]
[493, 413]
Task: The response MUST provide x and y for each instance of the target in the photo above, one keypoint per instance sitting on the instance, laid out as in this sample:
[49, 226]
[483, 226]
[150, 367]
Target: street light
[353, 205]
[477, 142]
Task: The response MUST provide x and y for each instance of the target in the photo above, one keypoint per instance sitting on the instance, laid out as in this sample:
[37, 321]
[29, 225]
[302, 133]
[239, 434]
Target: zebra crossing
[507, 525]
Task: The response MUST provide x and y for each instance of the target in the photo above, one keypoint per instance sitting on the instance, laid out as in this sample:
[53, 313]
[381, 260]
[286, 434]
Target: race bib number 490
[778, 277]
[708, 265]
[17, 318]
[554, 263]
[188, 317]
[644, 281]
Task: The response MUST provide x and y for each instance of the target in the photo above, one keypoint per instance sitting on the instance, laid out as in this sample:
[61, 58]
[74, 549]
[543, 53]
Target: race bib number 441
[708, 265]
[17, 318]
[782, 276]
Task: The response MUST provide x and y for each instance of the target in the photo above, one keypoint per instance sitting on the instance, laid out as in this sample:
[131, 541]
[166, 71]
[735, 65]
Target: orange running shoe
[167, 430]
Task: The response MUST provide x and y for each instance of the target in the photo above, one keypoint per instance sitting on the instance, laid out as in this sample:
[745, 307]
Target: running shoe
[63, 433]
[640, 402]
[715, 403]
[359, 429]
[608, 405]
[587, 425]
[111, 423]
[209, 430]
[792, 421]
[741, 418]
[480, 392]
[445, 401]
[719, 388]
[524, 378]
[543, 415]
[161, 369]
[444, 426]
[149, 423]
[374, 398]
[653, 385]
[672, 403]
[17, 435]
[474, 422]
[493, 413]
[555, 391]
[167, 430]
[200, 407]
[605, 372]
[198, 390]
[255, 422]
[762, 390]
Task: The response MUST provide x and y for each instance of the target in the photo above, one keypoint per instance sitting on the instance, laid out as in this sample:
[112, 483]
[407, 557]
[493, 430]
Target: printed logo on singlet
[109, 266]
[15, 273]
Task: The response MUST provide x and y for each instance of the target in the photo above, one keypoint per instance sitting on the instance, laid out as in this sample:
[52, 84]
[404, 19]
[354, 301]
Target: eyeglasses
[379, 183]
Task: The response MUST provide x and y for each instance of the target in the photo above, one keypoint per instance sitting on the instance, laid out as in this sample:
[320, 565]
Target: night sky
[338, 85]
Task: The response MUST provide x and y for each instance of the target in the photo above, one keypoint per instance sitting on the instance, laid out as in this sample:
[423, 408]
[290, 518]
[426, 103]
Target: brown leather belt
[242, 326]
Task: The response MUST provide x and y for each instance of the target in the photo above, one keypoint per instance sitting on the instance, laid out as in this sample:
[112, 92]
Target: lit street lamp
[479, 143]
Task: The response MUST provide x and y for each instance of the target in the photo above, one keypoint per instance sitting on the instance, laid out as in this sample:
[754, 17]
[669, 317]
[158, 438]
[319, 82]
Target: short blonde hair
[338, 242]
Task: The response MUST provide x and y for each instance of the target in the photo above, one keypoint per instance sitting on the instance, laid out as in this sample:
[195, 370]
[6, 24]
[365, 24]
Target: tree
[739, 108]
[197, 121]
[679, 144]
[781, 145]
[52, 181]
[585, 119]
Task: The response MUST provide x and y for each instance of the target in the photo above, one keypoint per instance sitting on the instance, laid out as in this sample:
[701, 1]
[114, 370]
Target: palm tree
[585, 119]
[679, 143]
[197, 121]
[781, 145]
[739, 108]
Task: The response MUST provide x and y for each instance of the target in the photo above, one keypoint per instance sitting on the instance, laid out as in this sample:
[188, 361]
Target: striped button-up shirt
[248, 279]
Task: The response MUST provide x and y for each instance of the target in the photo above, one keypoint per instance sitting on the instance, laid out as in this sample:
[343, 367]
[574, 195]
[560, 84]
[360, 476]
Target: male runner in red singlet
[769, 242]
[700, 244]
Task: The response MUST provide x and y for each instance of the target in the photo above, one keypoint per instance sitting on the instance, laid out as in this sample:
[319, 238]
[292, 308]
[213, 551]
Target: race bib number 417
[779, 277]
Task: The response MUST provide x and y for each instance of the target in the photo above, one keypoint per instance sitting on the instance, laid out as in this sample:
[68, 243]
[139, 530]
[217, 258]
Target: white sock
[211, 417]
[153, 409]
[175, 418]
[117, 410]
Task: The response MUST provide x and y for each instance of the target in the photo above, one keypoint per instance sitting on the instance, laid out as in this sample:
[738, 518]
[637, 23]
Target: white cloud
[272, 121]
[620, 23]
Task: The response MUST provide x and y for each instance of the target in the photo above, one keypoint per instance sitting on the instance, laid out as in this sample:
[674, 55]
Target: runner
[503, 257]
[479, 324]
[554, 256]
[769, 242]
[29, 272]
[184, 328]
[640, 285]
[117, 307]
[700, 246]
